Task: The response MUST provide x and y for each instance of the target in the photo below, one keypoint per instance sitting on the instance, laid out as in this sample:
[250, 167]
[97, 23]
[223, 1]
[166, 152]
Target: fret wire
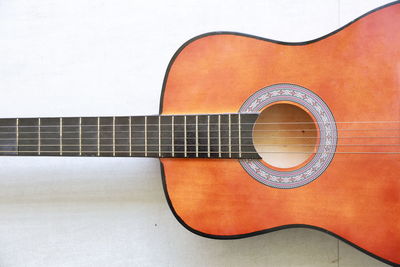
[219, 135]
[229, 135]
[17, 134]
[197, 136]
[60, 137]
[208, 135]
[145, 136]
[240, 137]
[130, 136]
[113, 136]
[80, 136]
[173, 137]
[39, 136]
[98, 136]
[185, 141]
[159, 136]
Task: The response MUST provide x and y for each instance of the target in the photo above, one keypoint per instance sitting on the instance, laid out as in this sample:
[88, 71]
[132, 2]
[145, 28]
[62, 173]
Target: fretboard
[174, 136]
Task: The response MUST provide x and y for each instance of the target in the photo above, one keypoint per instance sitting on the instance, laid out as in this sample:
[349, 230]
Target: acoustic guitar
[256, 135]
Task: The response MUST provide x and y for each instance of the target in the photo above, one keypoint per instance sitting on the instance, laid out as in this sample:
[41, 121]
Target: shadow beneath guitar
[70, 180]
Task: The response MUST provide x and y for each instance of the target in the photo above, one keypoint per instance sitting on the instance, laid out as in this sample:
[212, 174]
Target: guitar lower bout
[342, 180]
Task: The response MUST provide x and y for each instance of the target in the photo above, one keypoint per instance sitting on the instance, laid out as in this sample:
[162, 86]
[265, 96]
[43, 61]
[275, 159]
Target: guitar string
[278, 130]
[193, 137]
[201, 152]
[192, 145]
[141, 145]
[268, 130]
[200, 145]
[204, 131]
[178, 145]
[203, 124]
[201, 138]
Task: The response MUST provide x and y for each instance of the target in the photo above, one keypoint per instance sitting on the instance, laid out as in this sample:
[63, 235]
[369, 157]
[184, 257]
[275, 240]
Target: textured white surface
[85, 57]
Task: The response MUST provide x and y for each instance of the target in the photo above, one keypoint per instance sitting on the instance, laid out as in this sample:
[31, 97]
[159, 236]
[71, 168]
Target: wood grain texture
[356, 71]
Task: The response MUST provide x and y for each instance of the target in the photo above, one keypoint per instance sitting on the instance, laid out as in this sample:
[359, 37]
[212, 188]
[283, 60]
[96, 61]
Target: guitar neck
[180, 136]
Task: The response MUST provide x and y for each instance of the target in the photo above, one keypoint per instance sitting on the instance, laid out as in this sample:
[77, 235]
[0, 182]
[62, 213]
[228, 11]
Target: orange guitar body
[356, 72]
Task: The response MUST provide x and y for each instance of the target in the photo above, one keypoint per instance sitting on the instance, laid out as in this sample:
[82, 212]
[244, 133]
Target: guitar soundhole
[285, 135]
[295, 135]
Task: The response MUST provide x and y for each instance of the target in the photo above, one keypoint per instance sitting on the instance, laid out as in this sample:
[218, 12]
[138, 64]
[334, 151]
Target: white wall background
[108, 57]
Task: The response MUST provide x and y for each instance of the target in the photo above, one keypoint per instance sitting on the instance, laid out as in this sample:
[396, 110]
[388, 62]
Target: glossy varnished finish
[356, 72]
